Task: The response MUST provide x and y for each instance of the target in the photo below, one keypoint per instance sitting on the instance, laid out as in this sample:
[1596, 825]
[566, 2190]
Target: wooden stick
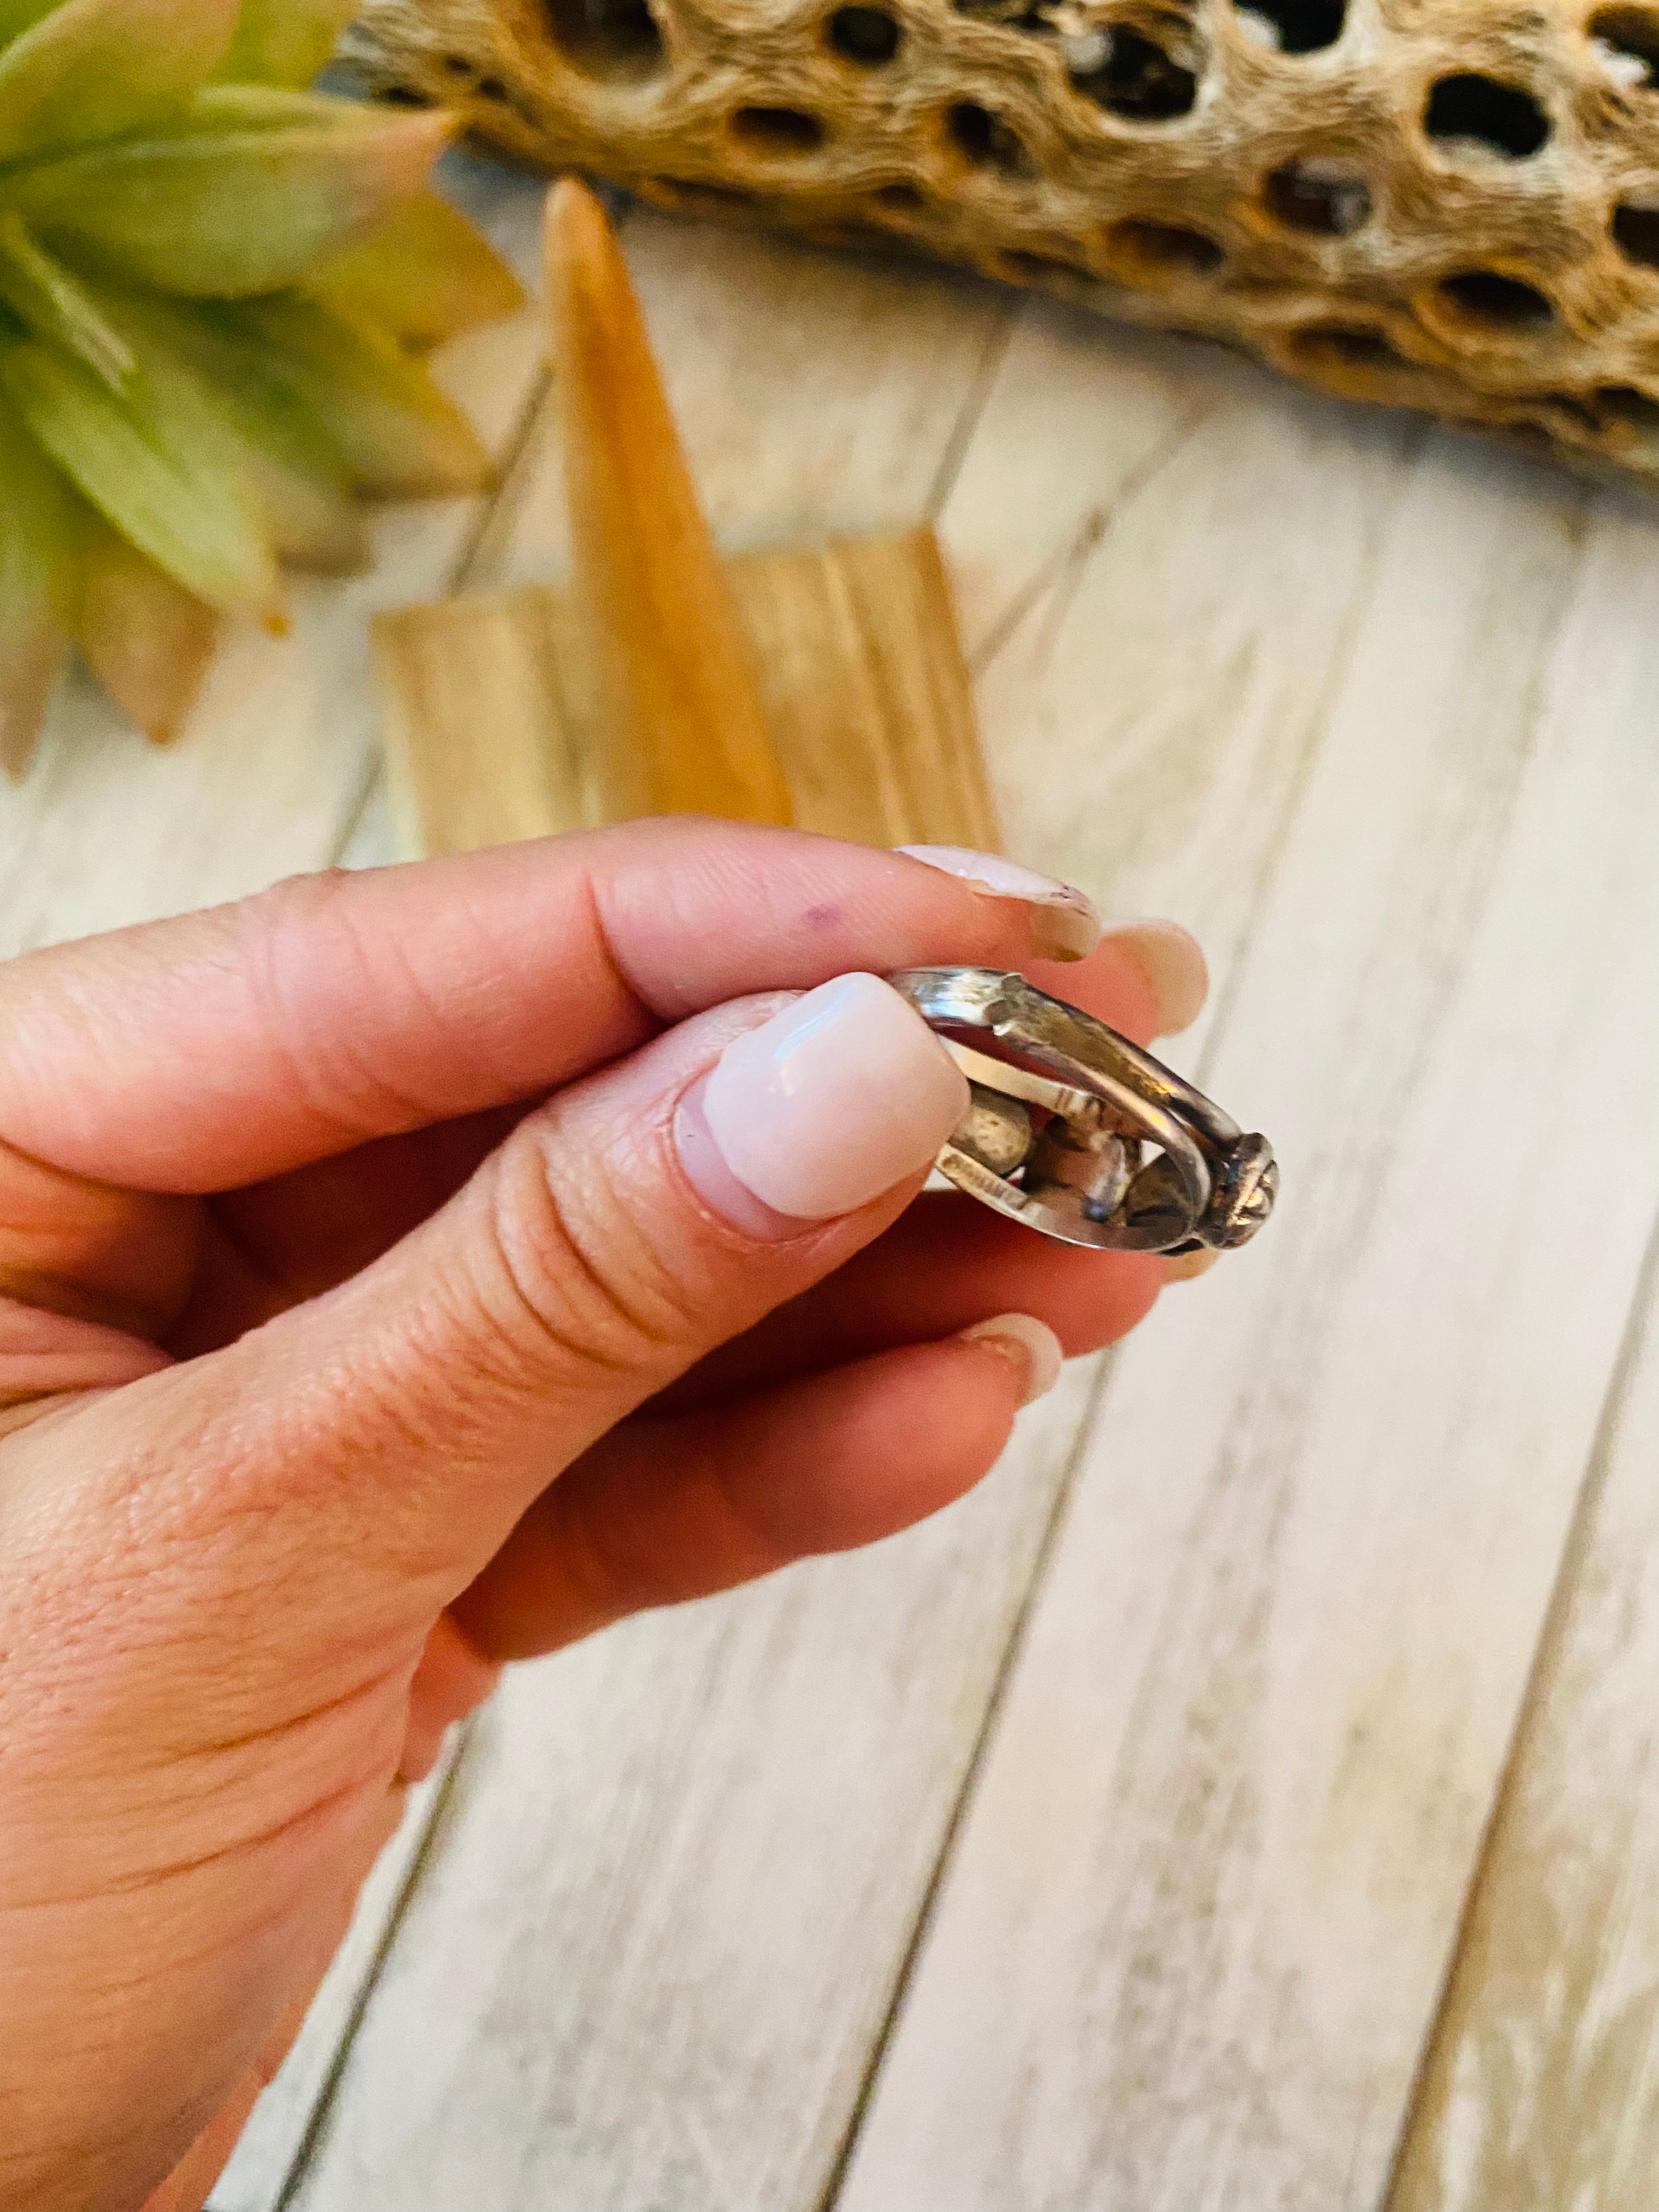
[672, 679]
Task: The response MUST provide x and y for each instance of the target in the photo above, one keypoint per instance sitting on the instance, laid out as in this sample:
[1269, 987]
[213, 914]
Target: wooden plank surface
[1202, 1904]
[1541, 2090]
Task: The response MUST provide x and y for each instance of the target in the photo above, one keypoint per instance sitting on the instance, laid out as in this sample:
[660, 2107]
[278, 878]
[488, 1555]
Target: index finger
[202, 1053]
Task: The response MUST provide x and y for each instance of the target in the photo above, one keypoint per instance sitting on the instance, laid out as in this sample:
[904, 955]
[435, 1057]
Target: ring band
[1084, 1174]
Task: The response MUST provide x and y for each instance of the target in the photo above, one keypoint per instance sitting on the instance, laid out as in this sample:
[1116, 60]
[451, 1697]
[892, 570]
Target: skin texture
[360, 1333]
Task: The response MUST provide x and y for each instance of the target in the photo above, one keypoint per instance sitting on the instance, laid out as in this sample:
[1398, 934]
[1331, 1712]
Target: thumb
[374, 1447]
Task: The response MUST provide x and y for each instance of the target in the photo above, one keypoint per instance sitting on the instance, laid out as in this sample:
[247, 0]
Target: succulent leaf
[37, 569]
[397, 434]
[285, 42]
[422, 275]
[214, 286]
[170, 493]
[224, 214]
[262, 431]
[91, 69]
[49, 300]
[17, 16]
[223, 108]
[146, 639]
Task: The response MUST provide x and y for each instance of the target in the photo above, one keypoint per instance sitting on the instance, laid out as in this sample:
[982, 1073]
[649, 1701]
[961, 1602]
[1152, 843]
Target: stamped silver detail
[1122, 1155]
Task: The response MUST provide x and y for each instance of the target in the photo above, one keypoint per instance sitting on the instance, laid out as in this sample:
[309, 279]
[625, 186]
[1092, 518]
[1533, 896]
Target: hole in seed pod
[404, 96]
[1159, 252]
[1636, 231]
[1298, 27]
[1629, 38]
[1502, 117]
[457, 65]
[1346, 345]
[781, 130]
[905, 199]
[1139, 80]
[1531, 438]
[1036, 267]
[1326, 198]
[986, 140]
[1625, 404]
[1487, 297]
[606, 38]
[491, 88]
[869, 36]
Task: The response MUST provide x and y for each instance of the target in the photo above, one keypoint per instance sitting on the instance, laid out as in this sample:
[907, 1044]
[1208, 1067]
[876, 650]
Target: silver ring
[1126, 1157]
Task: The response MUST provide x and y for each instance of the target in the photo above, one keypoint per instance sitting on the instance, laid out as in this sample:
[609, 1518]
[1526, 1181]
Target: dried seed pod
[1434, 204]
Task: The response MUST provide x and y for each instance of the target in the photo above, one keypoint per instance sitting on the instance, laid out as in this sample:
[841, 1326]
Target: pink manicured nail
[1172, 960]
[1063, 923]
[1032, 1346]
[825, 1107]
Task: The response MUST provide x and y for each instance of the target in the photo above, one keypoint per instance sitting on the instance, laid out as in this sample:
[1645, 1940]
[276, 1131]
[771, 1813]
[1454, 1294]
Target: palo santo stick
[673, 680]
[488, 739]
[478, 731]
[867, 692]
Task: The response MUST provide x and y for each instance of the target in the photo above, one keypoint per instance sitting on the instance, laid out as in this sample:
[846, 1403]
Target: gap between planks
[1539, 2086]
[1202, 1908]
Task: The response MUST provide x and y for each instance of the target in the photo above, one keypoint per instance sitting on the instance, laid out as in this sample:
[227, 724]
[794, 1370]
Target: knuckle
[309, 926]
[568, 1273]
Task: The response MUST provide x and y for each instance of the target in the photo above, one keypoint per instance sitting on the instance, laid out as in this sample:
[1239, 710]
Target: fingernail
[1172, 960]
[1030, 1344]
[1187, 1266]
[837, 1097]
[1063, 923]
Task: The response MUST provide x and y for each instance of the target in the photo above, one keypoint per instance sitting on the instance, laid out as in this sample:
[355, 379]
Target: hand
[410, 1271]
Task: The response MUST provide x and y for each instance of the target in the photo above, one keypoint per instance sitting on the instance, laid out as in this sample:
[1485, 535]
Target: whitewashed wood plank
[274, 761]
[649, 1968]
[1541, 2089]
[1162, 567]
[372, 839]
[274, 2136]
[1060, 453]
[817, 396]
[1200, 1910]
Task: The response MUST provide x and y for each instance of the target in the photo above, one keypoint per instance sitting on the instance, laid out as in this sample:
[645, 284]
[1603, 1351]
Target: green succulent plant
[215, 287]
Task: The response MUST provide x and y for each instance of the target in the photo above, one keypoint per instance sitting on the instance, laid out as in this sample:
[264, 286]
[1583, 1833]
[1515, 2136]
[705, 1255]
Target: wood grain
[494, 730]
[480, 736]
[1200, 1909]
[1541, 2089]
[866, 690]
